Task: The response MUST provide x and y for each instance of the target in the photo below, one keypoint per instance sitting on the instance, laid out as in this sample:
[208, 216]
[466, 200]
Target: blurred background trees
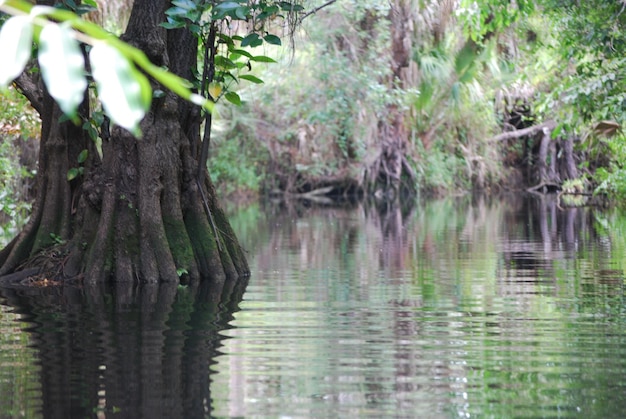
[378, 96]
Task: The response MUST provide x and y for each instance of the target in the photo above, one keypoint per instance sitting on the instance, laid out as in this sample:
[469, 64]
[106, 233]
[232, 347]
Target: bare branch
[317, 9]
[28, 86]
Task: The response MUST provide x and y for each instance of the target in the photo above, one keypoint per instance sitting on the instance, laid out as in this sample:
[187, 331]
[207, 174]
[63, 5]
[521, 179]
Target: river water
[461, 307]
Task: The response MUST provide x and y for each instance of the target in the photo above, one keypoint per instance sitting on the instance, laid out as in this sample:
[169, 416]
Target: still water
[444, 309]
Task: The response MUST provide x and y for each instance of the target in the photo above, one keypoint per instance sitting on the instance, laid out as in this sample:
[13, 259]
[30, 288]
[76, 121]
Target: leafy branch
[124, 90]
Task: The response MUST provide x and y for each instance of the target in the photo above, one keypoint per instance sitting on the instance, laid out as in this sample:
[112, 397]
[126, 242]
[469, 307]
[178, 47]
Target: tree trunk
[570, 170]
[138, 214]
[385, 174]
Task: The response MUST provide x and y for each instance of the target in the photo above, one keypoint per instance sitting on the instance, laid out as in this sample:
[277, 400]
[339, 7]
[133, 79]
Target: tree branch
[549, 125]
[27, 86]
[317, 9]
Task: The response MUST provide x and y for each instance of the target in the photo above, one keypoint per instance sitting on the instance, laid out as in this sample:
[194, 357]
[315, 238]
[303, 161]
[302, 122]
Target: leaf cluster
[124, 90]
[227, 59]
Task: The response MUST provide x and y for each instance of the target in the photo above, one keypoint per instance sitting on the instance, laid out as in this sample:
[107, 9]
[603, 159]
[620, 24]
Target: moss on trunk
[137, 215]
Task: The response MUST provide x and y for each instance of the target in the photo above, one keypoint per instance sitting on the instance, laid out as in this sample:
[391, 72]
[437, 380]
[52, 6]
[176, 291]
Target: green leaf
[225, 39]
[72, 173]
[271, 10]
[242, 12]
[15, 47]
[185, 4]
[223, 62]
[125, 92]
[227, 6]
[173, 24]
[233, 98]
[176, 12]
[464, 58]
[251, 78]
[91, 130]
[290, 7]
[221, 10]
[82, 157]
[252, 40]
[262, 59]
[98, 142]
[272, 39]
[241, 52]
[62, 66]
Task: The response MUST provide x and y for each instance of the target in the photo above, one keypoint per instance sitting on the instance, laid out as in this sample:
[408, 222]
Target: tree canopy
[113, 207]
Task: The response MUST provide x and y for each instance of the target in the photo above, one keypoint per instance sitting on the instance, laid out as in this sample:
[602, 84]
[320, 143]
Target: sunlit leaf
[98, 142]
[215, 89]
[125, 92]
[62, 66]
[72, 173]
[227, 5]
[15, 47]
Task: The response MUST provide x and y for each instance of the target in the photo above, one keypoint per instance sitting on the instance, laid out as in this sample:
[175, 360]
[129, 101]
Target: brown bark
[570, 169]
[386, 173]
[138, 214]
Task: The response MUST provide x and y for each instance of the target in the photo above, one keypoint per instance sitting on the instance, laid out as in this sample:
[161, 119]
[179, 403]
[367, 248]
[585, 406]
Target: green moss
[179, 242]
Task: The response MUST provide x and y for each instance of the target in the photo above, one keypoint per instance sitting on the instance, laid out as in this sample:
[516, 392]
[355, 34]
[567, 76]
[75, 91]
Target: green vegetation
[19, 128]
[407, 94]
[20, 390]
[472, 71]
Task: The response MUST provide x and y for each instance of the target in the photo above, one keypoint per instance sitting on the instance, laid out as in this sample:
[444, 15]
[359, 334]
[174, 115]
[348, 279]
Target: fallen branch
[543, 185]
[314, 193]
[549, 125]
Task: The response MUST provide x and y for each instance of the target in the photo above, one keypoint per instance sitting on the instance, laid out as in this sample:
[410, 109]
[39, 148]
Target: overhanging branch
[317, 9]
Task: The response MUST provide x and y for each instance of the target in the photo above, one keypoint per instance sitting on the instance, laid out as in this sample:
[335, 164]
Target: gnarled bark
[137, 214]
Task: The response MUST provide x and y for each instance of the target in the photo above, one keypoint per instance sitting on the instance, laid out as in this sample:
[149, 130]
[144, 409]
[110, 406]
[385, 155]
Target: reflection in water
[455, 308]
[458, 308]
[106, 353]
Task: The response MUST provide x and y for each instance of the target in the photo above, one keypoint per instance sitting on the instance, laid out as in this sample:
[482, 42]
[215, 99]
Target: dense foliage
[474, 67]
[469, 71]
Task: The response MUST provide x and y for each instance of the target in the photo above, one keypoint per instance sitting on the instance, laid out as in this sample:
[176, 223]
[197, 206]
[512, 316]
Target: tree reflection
[143, 354]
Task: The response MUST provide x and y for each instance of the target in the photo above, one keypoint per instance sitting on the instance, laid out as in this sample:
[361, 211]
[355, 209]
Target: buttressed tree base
[136, 209]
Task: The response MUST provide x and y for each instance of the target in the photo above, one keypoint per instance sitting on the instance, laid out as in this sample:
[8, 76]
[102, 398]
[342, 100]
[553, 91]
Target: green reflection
[452, 308]
[20, 392]
[459, 307]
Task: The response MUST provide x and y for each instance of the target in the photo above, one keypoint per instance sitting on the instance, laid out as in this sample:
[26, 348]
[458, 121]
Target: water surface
[444, 309]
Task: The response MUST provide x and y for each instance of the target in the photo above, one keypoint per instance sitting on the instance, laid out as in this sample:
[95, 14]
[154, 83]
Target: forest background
[381, 97]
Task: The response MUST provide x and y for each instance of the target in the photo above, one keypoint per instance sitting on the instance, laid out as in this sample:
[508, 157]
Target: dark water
[453, 308]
